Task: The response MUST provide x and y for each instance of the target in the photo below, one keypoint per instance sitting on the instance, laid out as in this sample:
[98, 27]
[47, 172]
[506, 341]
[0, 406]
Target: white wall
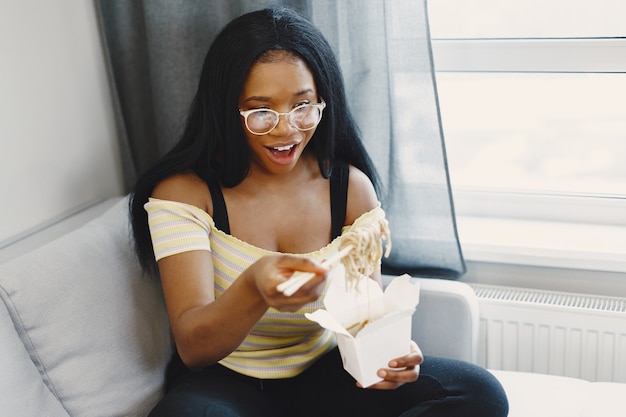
[58, 145]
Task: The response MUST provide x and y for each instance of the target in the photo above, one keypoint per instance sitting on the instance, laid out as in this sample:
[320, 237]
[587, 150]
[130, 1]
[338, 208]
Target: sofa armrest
[91, 323]
[446, 319]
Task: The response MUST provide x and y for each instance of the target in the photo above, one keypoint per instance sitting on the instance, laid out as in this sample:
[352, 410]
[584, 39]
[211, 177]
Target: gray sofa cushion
[23, 391]
[92, 324]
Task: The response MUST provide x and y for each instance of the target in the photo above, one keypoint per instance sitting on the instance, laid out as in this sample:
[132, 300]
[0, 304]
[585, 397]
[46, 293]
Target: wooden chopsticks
[298, 279]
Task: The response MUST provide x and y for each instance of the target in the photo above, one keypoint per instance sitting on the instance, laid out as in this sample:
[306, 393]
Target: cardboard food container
[371, 327]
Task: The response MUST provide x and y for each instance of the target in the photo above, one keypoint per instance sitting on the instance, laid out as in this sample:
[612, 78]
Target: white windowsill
[557, 256]
[543, 243]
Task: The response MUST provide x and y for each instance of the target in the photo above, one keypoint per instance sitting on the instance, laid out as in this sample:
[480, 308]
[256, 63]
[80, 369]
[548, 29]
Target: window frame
[547, 212]
[578, 55]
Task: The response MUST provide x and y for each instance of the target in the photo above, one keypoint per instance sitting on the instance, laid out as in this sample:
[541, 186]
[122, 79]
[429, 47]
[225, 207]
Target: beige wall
[58, 146]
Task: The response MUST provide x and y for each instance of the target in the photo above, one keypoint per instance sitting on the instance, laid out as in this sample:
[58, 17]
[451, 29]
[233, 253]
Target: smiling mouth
[283, 153]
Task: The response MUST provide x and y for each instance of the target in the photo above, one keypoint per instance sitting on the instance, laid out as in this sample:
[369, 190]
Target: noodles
[366, 249]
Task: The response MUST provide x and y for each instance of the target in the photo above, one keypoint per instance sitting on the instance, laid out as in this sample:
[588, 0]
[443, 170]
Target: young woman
[269, 172]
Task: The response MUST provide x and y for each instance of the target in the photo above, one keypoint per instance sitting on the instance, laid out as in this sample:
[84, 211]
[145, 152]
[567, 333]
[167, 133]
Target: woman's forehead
[279, 77]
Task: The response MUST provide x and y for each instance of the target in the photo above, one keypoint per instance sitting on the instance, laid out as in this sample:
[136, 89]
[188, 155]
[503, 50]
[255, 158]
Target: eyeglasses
[303, 118]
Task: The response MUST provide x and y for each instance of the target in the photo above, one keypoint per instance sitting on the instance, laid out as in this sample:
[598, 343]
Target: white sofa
[84, 333]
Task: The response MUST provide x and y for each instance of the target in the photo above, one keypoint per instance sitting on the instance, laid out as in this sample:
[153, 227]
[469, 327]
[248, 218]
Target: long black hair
[213, 143]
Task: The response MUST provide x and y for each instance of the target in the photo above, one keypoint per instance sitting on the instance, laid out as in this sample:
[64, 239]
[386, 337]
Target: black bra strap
[338, 197]
[220, 215]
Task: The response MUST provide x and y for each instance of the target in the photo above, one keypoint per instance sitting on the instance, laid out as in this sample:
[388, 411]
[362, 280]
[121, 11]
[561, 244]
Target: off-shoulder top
[281, 344]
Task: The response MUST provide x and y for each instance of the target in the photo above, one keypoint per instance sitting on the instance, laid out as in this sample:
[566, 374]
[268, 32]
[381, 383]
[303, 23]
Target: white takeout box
[387, 334]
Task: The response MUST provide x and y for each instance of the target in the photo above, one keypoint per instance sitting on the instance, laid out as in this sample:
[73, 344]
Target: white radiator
[575, 335]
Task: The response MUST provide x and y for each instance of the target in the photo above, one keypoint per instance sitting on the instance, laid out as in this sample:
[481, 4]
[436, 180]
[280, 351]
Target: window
[532, 106]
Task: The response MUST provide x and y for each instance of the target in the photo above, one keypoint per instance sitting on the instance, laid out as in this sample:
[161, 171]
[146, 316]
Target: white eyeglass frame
[245, 113]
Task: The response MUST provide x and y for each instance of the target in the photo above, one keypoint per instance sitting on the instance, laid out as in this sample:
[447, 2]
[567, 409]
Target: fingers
[394, 378]
[309, 292]
[415, 357]
[401, 370]
[292, 264]
[270, 271]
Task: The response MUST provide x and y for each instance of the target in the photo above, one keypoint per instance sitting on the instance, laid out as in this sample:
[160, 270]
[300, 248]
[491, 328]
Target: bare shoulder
[361, 195]
[185, 188]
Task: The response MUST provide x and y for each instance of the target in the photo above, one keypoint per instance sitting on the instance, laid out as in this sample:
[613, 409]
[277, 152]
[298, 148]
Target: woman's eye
[262, 113]
[300, 108]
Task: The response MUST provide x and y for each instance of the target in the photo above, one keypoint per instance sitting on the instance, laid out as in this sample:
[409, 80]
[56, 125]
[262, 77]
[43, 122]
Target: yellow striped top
[281, 344]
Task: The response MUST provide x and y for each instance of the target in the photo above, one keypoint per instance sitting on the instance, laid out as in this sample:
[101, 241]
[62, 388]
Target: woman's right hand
[271, 270]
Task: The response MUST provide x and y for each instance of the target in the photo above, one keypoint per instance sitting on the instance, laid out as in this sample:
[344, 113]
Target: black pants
[445, 388]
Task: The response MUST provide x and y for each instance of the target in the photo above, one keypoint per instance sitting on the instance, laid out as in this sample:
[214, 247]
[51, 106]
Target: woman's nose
[284, 126]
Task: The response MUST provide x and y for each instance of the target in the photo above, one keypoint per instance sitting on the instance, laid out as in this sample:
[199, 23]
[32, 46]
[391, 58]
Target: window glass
[554, 133]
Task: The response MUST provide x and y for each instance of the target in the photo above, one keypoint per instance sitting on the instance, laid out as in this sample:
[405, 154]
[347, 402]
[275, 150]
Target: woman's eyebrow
[303, 92]
[265, 98]
[257, 98]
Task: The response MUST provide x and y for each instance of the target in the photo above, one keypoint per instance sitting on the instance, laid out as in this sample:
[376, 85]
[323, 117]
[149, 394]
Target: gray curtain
[155, 50]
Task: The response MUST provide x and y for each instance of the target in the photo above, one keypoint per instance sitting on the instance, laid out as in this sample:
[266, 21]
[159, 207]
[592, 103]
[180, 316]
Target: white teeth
[284, 148]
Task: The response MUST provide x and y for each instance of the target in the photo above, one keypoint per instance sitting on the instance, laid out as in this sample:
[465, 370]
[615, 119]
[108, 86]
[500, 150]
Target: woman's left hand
[401, 370]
